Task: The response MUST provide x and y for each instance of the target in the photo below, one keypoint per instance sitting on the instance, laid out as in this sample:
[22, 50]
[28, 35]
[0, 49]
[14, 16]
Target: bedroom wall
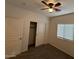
[64, 45]
[23, 18]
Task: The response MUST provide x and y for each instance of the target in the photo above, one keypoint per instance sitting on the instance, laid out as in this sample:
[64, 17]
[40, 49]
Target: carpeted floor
[43, 52]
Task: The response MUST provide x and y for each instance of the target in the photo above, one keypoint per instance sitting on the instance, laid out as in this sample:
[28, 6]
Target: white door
[14, 29]
[40, 37]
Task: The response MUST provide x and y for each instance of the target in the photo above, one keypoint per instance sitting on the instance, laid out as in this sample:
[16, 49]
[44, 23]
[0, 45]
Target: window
[65, 31]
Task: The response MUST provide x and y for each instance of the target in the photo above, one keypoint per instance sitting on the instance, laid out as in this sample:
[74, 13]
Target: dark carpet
[43, 52]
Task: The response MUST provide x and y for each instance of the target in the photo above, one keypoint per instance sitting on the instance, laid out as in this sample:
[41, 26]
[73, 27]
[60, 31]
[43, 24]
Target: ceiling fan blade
[56, 9]
[57, 4]
[44, 8]
[45, 3]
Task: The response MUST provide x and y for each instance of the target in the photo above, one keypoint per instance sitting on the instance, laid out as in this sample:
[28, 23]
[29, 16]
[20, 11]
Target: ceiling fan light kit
[50, 10]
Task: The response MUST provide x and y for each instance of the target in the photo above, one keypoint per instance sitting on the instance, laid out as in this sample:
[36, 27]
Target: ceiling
[35, 5]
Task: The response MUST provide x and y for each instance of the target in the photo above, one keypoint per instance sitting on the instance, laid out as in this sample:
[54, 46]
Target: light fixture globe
[50, 10]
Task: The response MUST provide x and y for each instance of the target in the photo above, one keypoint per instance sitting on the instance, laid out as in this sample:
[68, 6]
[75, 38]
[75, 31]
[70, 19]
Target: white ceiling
[36, 5]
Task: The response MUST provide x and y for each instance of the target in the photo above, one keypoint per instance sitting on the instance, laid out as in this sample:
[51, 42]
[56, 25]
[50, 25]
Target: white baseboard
[8, 56]
[13, 54]
[62, 50]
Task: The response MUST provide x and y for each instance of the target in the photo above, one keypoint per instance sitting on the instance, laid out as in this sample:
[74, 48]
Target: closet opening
[32, 35]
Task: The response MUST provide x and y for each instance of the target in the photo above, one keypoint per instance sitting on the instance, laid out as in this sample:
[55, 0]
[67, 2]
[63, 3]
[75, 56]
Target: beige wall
[23, 18]
[64, 45]
[19, 19]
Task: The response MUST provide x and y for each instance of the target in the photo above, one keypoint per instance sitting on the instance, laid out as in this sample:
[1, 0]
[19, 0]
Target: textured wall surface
[64, 45]
[17, 29]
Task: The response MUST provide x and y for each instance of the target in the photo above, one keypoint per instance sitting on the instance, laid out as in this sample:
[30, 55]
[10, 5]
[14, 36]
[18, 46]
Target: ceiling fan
[52, 6]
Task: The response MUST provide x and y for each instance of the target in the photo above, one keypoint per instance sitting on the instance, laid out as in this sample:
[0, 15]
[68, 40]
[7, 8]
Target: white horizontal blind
[65, 31]
[69, 30]
[60, 30]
